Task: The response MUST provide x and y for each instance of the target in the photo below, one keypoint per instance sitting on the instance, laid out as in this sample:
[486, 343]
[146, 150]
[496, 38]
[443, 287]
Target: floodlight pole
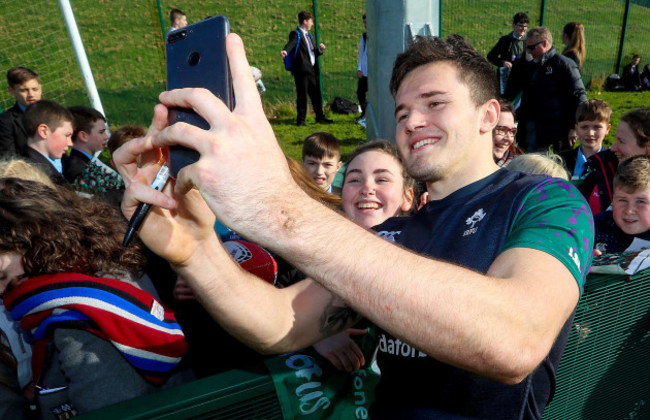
[82, 59]
[392, 25]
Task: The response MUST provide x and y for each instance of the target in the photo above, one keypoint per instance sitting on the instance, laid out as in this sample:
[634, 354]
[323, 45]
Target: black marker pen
[143, 208]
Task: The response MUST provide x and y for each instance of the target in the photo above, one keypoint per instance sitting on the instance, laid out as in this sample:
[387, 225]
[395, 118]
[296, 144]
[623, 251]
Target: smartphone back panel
[196, 57]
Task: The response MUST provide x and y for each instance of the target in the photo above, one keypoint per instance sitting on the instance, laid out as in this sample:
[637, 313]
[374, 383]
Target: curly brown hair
[59, 231]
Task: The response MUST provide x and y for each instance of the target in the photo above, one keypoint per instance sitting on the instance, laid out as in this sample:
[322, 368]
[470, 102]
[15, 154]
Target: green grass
[621, 102]
[124, 44]
[345, 128]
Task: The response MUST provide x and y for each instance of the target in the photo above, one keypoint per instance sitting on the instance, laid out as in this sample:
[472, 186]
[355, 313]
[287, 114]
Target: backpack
[614, 83]
[343, 106]
[288, 60]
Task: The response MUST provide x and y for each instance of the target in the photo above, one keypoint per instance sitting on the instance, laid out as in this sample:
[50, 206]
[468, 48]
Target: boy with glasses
[509, 48]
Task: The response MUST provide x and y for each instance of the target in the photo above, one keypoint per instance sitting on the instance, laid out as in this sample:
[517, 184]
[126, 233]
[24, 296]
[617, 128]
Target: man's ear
[407, 204]
[43, 131]
[82, 136]
[13, 92]
[490, 116]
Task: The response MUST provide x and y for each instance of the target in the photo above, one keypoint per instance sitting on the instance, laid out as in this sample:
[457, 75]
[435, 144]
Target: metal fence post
[317, 32]
[162, 22]
[626, 16]
[82, 58]
[391, 27]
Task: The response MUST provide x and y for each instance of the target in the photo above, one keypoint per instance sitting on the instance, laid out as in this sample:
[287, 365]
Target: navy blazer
[35, 158]
[570, 157]
[302, 63]
[13, 139]
[74, 164]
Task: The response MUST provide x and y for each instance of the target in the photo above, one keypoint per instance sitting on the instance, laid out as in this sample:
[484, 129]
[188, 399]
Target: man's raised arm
[500, 325]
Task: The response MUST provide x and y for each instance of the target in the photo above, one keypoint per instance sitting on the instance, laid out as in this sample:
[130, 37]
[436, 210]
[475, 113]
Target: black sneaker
[324, 120]
[301, 124]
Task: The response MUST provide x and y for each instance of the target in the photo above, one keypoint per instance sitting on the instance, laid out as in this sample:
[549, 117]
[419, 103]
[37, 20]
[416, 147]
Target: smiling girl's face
[373, 189]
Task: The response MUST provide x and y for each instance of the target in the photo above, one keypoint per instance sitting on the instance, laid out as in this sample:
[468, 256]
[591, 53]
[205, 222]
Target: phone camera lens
[194, 58]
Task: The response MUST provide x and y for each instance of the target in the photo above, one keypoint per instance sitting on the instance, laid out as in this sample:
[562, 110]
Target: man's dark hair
[84, 118]
[19, 75]
[303, 16]
[473, 69]
[45, 112]
[520, 17]
[175, 14]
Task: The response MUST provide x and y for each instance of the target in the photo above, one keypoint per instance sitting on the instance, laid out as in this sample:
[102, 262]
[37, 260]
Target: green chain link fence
[124, 41]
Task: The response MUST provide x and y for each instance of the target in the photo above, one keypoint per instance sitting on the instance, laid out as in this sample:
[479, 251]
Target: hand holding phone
[196, 57]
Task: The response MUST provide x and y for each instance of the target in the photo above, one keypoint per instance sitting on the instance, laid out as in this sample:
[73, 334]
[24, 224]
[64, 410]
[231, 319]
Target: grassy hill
[124, 43]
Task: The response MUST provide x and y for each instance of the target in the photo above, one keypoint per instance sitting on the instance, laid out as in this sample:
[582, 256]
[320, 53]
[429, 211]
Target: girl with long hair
[573, 36]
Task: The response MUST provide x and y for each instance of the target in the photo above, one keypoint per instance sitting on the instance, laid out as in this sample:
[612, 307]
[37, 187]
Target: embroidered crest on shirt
[472, 221]
[389, 235]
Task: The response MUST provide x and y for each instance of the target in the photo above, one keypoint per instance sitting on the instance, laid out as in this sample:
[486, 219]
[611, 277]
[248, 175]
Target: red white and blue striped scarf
[142, 329]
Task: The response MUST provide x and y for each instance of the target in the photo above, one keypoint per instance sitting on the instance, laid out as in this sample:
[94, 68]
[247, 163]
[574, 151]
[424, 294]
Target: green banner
[309, 387]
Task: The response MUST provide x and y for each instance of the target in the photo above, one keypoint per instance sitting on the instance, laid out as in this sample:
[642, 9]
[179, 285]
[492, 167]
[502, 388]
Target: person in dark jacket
[305, 68]
[509, 48]
[49, 127]
[632, 75]
[89, 137]
[645, 77]
[551, 90]
[597, 184]
[24, 85]
[592, 125]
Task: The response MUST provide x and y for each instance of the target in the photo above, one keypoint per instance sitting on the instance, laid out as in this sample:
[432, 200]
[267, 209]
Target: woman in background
[503, 136]
[573, 36]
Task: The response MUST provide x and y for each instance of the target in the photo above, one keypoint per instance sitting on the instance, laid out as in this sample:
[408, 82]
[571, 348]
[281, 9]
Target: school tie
[311, 44]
